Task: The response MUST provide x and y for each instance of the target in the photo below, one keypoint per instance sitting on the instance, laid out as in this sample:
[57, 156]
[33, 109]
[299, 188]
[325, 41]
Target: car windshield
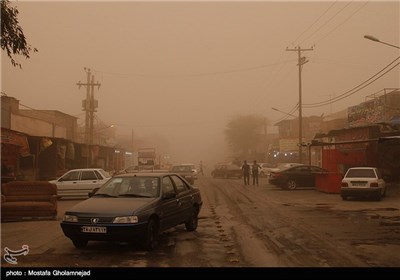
[361, 173]
[145, 186]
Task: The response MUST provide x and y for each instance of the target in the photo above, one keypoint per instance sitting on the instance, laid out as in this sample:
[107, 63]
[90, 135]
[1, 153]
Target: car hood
[110, 206]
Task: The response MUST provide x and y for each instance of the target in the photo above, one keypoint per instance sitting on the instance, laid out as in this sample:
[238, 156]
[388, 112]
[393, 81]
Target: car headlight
[70, 218]
[126, 220]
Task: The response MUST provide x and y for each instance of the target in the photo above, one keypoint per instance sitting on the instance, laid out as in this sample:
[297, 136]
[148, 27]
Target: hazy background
[181, 70]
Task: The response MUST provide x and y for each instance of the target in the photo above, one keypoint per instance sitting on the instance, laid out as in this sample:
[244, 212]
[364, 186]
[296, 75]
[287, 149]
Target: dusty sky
[182, 69]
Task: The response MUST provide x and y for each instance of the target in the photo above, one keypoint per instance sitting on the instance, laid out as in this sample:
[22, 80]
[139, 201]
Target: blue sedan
[137, 206]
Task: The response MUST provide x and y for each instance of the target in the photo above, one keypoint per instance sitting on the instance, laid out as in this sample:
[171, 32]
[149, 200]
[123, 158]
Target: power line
[315, 22]
[326, 22]
[288, 114]
[193, 75]
[356, 11]
[355, 89]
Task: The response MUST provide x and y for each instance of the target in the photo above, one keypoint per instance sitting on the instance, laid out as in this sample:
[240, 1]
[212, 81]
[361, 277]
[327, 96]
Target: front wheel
[192, 222]
[291, 185]
[79, 243]
[152, 235]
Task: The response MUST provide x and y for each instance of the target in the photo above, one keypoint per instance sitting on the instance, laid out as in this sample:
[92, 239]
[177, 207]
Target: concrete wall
[36, 127]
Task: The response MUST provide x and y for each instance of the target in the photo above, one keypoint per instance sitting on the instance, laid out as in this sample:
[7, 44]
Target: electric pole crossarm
[89, 105]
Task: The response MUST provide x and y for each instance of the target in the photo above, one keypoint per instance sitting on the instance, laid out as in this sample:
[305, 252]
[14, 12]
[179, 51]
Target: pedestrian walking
[201, 168]
[246, 173]
[254, 172]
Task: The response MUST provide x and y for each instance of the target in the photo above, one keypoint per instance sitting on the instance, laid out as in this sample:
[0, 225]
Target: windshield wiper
[132, 195]
[104, 194]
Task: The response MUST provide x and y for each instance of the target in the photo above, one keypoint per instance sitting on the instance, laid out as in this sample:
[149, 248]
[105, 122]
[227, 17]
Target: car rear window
[361, 173]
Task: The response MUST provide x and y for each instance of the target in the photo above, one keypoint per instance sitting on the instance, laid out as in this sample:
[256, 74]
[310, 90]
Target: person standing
[254, 171]
[246, 173]
[201, 168]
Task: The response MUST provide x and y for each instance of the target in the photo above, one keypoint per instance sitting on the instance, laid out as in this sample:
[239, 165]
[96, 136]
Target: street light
[372, 38]
[283, 112]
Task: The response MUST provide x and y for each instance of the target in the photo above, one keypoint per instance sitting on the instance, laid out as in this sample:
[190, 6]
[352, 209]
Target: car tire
[192, 222]
[384, 192]
[79, 243]
[291, 184]
[344, 197]
[378, 197]
[152, 235]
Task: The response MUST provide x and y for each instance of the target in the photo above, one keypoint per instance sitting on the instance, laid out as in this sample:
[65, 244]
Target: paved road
[239, 226]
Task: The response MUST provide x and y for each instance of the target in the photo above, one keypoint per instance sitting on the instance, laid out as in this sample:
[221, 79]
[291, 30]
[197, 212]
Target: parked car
[134, 206]
[136, 169]
[227, 170]
[186, 171]
[265, 169]
[194, 169]
[130, 169]
[296, 176]
[285, 165]
[79, 182]
[363, 181]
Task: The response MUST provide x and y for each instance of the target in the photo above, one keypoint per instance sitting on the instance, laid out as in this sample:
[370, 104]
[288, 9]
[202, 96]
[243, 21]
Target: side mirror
[169, 195]
[90, 194]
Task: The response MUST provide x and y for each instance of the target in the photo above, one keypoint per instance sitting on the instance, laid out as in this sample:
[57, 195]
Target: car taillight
[374, 185]
[345, 185]
[274, 175]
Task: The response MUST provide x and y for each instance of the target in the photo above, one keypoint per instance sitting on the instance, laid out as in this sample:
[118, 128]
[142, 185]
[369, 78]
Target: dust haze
[174, 73]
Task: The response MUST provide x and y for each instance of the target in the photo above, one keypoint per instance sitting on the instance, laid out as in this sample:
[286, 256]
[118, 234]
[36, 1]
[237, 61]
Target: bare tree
[12, 36]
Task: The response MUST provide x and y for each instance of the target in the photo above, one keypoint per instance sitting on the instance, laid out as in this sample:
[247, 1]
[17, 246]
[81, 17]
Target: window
[167, 186]
[88, 175]
[179, 184]
[361, 173]
[72, 176]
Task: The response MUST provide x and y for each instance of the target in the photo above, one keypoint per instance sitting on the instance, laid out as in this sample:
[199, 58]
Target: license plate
[94, 229]
[358, 184]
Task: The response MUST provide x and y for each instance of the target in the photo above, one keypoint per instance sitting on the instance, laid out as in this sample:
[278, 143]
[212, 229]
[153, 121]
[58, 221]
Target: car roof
[85, 169]
[363, 167]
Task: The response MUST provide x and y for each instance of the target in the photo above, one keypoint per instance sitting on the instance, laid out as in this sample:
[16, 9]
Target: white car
[80, 182]
[265, 169]
[363, 181]
[282, 166]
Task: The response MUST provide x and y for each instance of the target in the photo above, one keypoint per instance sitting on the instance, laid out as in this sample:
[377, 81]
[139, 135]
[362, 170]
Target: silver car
[79, 182]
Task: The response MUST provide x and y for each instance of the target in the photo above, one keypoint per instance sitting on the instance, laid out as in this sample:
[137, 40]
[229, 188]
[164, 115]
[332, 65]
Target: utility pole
[301, 62]
[265, 148]
[89, 105]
